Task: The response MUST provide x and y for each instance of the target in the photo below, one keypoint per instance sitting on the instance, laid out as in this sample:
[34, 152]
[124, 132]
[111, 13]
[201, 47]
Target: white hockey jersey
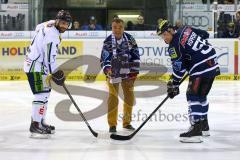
[43, 50]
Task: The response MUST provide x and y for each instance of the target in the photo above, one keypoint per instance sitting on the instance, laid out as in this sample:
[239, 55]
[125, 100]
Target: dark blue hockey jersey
[126, 46]
[190, 52]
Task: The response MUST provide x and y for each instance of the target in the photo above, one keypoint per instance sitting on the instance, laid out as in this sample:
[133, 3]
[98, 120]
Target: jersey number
[199, 44]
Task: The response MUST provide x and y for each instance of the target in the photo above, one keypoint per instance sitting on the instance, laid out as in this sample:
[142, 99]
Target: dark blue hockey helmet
[64, 15]
[163, 26]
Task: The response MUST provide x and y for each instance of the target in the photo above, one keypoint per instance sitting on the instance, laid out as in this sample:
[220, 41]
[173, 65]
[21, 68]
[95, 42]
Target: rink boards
[80, 58]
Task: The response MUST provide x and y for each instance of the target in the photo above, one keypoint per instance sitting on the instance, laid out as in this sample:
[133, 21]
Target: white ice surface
[158, 139]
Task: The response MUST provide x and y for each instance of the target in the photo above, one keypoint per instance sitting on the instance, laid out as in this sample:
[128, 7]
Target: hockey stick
[128, 137]
[95, 134]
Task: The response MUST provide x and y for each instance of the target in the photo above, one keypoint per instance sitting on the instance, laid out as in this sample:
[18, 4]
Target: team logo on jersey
[185, 36]
[172, 53]
[105, 54]
[177, 66]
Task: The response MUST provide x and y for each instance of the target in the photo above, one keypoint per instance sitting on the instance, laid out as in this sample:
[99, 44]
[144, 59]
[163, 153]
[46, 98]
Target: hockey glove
[132, 76]
[48, 79]
[107, 71]
[172, 89]
[58, 77]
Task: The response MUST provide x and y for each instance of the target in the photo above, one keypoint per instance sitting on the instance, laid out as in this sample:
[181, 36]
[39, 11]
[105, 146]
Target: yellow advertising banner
[12, 54]
[70, 49]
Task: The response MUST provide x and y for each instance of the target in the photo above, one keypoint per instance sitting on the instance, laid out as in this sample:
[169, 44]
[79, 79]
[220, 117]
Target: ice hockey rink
[158, 139]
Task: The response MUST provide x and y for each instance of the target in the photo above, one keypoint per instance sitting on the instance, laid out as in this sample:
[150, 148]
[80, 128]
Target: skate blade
[194, 139]
[205, 133]
[39, 136]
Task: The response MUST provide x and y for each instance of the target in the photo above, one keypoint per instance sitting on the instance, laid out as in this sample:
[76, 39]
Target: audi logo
[93, 34]
[196, 21]
[19, 34]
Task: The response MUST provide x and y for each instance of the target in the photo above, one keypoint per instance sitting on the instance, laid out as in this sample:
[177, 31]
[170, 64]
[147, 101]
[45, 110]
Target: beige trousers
[128, 93]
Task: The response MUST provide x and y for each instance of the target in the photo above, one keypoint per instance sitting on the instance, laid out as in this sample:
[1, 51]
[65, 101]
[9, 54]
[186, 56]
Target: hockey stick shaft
[128, 137]
[79, 111]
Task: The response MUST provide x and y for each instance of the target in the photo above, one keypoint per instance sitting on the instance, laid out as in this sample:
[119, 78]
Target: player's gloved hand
[48, 79]
[107, 71]
[132, 76]
[172, 88]
[58, 77]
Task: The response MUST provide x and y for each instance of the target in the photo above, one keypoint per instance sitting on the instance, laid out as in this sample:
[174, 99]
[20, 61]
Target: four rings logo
[93, 34]
[19, 34]
[196, 21]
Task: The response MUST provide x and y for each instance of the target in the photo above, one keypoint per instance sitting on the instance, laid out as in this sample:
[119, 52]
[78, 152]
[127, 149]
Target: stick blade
[120, 137]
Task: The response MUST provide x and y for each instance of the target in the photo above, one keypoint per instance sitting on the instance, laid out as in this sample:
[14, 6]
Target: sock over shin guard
[39, 106]
[38, 110]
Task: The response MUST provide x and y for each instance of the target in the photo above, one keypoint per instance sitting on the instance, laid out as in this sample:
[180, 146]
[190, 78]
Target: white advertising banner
[154, 52]
[87, 34]
[14, 7]
[201, 20]
[225, 52]
[15, 34]
[13, 17]
[200, 16]
[204, 7]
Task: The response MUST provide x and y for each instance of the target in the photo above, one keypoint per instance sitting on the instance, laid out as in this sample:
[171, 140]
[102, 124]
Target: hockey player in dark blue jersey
[191, 53]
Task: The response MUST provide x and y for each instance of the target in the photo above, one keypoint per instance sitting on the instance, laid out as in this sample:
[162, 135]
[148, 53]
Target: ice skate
[38, 131]
[193, 135]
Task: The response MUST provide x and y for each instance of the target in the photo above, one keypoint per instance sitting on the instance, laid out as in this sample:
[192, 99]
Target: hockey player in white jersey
[40, 66]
